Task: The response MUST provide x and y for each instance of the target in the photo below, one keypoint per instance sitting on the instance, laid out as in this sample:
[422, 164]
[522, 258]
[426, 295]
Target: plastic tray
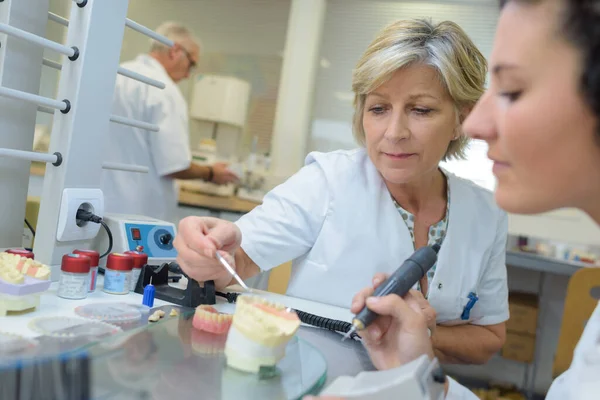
[70, 328]
[30, 286]
[118, 313]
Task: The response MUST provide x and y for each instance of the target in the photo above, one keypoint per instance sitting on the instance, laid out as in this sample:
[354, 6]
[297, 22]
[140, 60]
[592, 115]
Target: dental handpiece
[400, 282]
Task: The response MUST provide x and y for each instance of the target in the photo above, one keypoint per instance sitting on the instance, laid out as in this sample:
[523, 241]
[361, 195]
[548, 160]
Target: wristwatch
[211, 174]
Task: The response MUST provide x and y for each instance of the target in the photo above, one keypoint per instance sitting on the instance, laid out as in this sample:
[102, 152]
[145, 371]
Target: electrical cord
[84, 215]
[308, 318]
[110, 239]
[30, 227]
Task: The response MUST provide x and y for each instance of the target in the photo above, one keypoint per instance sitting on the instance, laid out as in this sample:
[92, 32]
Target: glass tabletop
[172, 360]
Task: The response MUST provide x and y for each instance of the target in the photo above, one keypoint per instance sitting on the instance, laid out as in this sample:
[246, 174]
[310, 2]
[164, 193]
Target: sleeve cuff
[456, 391]
[491, 319]
[249, 248]
[174, 168]
[261, 262]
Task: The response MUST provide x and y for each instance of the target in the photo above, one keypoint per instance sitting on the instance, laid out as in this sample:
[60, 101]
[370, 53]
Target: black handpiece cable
[307, 318]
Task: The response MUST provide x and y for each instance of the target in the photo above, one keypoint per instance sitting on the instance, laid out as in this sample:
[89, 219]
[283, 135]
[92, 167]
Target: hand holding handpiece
[399, 283]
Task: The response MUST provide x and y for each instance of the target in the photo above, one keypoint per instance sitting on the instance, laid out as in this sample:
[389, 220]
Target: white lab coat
[580, 382]
[163, 152]
[336, 219]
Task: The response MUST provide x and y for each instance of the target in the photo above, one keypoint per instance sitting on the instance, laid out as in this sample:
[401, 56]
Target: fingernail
[372, 300]
[376, 281]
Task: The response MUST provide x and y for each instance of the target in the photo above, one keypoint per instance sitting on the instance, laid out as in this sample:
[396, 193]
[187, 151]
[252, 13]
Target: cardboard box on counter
[523, 308]
[519, 347]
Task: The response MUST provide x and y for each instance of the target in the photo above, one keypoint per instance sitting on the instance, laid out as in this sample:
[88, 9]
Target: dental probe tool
[232, 271]
[400, 282]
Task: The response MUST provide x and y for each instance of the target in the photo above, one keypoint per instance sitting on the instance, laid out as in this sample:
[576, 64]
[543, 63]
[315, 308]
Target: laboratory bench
[215, 204]
[314, 357]
[543, 264]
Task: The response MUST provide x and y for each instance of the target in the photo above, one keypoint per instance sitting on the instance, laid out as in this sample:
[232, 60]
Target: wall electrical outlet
[72, 199]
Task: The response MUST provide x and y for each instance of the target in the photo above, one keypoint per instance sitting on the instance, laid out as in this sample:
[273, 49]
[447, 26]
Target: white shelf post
[97, 31]
[20, 69]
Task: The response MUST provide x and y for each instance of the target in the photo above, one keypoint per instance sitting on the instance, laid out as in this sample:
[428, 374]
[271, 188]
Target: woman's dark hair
[581, 25]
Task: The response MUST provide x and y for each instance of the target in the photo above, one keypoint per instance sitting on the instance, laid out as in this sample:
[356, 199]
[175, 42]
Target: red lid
[75, 263]
[139, 259]
[21, 252]
[92, 254]
[119, 262]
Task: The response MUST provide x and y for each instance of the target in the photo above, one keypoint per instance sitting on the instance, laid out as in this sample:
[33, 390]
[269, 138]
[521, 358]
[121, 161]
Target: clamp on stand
[192, 296]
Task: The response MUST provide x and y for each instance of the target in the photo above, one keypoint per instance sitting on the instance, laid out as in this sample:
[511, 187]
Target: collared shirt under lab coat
[336, 219]
[164, 152]
[580, 382]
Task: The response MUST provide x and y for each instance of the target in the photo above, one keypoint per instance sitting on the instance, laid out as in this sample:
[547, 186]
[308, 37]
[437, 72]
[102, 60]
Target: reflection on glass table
[172, 360]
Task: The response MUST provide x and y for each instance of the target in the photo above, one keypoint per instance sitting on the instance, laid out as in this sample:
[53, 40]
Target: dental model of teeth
[259, 334]
[10, 274]
[11, 263]
[208, 319]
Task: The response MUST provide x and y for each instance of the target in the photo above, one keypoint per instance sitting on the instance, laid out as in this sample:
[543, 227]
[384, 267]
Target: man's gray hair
[174, 31]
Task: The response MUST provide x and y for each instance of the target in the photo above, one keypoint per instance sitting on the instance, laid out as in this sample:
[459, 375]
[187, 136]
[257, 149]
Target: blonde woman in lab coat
[347, 215]
[546, 153]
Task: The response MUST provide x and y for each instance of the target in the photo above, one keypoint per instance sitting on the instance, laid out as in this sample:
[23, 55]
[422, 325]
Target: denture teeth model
[25, 266]
[208, 319]
[259, 334]
[10, 274]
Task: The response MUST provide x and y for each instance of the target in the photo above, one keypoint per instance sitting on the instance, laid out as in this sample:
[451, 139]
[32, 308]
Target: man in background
[166, 153]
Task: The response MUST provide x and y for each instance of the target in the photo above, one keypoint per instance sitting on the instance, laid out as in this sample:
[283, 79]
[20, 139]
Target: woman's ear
[464, 113]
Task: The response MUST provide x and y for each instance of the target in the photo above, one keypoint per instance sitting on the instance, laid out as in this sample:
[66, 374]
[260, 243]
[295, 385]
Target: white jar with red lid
[117, 273]
[74, 277]
[21, 252]
[94, 261]
[139, 260]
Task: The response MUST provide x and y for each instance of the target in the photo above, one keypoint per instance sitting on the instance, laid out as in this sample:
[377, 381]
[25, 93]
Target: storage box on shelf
[521, 327]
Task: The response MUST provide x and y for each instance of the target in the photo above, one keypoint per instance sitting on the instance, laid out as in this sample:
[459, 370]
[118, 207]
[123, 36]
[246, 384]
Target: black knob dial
[166, 238]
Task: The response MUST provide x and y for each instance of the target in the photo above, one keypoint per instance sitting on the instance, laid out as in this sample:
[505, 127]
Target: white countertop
[53, 306]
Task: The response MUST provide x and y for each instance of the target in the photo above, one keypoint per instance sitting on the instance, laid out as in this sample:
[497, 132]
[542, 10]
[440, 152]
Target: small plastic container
[94, 261]
[139, 260]
[72, 327]
[74, 277]
[21, 252]
[112, 313]
[117, 273]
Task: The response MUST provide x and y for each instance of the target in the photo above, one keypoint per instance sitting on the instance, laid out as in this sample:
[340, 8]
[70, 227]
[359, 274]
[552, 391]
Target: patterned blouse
[437, 232]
